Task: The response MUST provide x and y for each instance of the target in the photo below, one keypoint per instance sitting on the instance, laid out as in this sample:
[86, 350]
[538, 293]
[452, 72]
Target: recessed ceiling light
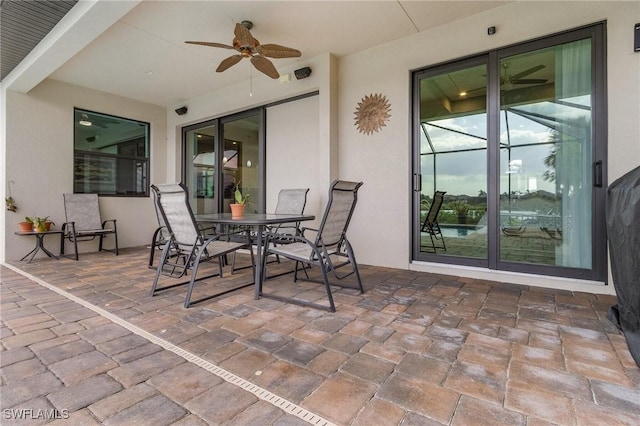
[84, 120]
[463, 93]
[148, 72]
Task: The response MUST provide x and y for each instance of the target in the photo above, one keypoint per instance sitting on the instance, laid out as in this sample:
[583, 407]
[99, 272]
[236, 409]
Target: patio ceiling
[141, 53]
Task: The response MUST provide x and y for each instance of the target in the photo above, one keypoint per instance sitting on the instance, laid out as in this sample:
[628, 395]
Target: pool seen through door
[515, 140]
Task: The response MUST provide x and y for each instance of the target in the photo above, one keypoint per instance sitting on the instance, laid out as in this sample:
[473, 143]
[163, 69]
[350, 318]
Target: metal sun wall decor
[372, 113]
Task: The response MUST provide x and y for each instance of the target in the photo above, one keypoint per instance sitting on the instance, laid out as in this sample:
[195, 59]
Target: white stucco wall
[380, 230]
[39, 159]
[293, 147]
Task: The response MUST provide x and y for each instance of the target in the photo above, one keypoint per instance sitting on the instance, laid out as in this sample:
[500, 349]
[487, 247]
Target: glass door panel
[240, 161]
[545, 157]
[200, 173]
[453, 159]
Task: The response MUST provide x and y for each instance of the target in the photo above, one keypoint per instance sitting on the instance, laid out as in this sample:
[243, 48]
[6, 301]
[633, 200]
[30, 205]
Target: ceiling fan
[95, 121]
[249, 47]
[507, 79]
[517, 78]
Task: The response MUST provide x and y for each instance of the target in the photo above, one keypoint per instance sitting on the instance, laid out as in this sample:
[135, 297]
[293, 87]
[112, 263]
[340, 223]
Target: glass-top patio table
[259, 221]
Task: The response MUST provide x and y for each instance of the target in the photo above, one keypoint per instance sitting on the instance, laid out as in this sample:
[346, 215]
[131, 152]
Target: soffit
[23, 24]
[143, 55]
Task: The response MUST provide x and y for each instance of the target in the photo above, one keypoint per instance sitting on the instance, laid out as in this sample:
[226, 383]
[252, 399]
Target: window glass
[453, 160]
[545, 156]
[111, 155]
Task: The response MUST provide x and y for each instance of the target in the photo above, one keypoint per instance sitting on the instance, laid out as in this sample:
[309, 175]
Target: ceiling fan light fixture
[84, 120]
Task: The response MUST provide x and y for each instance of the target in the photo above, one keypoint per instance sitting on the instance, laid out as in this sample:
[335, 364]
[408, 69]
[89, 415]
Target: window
[111, 155]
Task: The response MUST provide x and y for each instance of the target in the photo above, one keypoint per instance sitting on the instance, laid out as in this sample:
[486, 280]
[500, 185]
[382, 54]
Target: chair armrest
[226, 246]
[104, 222]
[206, 226]
[305, 229]
[290, 238]
[70, 225]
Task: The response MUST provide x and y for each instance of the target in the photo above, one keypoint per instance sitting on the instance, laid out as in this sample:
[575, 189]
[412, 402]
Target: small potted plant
[38, 224]
[237, 209]
[26, 225]
[462, 209]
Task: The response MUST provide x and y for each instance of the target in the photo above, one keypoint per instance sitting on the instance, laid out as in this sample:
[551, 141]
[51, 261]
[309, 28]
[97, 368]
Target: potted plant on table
[462, 209]
[237, 209]
[35, 223]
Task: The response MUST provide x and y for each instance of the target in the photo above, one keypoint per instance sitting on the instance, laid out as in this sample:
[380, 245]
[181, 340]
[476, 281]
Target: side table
[39, 243]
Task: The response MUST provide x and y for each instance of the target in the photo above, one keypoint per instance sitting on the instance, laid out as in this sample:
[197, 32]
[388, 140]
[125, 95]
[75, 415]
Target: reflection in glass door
[517, 140]
[235, 142]
[545, 156]
[200, 160]
[241, 165]
[453, 159]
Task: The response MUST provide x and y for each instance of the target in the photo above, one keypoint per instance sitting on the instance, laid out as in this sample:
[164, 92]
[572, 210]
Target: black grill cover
[623, 228]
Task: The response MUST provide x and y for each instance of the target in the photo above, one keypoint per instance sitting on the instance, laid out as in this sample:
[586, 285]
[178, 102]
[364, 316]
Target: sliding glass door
[237, 144]
[517, 139]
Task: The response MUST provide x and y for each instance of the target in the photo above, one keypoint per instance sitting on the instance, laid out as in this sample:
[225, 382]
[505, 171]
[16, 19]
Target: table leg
[32, 252]
[259, 265]
[44, 249]
[39, 246]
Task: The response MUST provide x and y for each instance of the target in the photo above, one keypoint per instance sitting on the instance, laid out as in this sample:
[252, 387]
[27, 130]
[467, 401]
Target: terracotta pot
[40, 228]
[26, 226]
[237, 210]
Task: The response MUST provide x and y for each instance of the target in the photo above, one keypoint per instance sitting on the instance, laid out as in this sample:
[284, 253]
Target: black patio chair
[84, 223]
[329, 249]
[430, 224]
[290, 201]
[188, 245]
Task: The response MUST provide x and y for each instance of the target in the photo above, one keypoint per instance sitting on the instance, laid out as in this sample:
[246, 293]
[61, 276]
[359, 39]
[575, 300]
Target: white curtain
[573, 161]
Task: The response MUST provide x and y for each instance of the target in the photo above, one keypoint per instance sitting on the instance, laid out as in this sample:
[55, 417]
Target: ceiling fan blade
[228, 63]
[529, 81]
[526, 72]
[244, 36]
[277, 51]
[265, 66]
[210, 44]
[476, 89]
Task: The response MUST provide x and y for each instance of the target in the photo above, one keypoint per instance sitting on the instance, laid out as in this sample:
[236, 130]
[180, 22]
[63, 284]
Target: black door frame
[598, 272]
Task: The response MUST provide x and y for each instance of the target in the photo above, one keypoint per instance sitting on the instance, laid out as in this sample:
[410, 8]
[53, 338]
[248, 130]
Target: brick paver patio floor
[414, 349]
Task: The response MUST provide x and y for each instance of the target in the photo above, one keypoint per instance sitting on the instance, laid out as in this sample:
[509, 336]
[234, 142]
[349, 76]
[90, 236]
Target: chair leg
[352, 259]
[163, 260]
[433, 243]
[75, 245]
[194, 273]
[154, 242]
[115, 234]
[325, 279]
